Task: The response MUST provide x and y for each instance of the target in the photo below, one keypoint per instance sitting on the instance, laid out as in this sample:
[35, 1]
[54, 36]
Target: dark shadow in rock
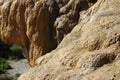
[100, 60]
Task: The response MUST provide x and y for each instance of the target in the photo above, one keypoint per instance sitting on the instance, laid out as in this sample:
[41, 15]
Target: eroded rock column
[30, 24]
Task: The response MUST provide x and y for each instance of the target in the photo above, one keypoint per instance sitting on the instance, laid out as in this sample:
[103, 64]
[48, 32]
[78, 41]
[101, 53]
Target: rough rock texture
[91, 51]
[29, 23]
[38, 25]
[69, 15]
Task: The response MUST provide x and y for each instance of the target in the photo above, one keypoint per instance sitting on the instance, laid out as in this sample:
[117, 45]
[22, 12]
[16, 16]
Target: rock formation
[38, 25]
[86, 31]
[29, 23]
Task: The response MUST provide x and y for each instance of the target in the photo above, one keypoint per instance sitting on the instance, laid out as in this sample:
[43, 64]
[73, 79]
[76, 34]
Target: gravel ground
[18, 67]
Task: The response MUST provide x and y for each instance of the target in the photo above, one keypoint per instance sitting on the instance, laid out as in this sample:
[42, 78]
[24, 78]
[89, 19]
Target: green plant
[16, 48]
[16, 51]
[11, 51]
[4, 65]
[17, 74]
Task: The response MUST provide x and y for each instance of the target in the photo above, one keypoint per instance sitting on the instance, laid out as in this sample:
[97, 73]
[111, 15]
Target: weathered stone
[88, 37]
[69, 15]
[89, 52]
[29, 23]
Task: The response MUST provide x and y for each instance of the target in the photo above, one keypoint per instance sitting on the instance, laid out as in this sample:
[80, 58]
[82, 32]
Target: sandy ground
[19, 67]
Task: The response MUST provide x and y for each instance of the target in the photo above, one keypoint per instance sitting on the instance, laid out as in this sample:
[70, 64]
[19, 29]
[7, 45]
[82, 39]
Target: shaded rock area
[84, 34]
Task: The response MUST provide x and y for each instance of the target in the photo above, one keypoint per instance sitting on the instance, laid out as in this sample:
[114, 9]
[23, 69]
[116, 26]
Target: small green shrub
[16, 48]
[4, 65]
[16, 51]
[17, 74]
[11, 51]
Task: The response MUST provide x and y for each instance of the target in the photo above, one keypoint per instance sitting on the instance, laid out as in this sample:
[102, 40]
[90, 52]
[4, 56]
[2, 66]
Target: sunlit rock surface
[87, 34]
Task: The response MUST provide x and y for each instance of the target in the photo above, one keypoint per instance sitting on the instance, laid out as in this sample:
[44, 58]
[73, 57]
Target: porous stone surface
[29, 23]
[88, 34]
[38, 25]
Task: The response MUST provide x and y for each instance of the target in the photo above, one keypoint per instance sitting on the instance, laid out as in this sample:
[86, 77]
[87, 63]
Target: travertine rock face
[69, 15]
[38, 25]
[91, 51]
[29, 23]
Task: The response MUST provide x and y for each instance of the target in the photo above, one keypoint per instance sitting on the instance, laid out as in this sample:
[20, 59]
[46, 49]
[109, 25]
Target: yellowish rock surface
[90, 50]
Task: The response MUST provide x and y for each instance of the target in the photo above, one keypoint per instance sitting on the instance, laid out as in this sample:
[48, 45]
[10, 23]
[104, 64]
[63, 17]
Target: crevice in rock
[93, 1]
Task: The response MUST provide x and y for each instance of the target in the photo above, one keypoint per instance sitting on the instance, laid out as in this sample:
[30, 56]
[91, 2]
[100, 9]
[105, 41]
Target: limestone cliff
[86, 31]
[29, 23]
[38, 25]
